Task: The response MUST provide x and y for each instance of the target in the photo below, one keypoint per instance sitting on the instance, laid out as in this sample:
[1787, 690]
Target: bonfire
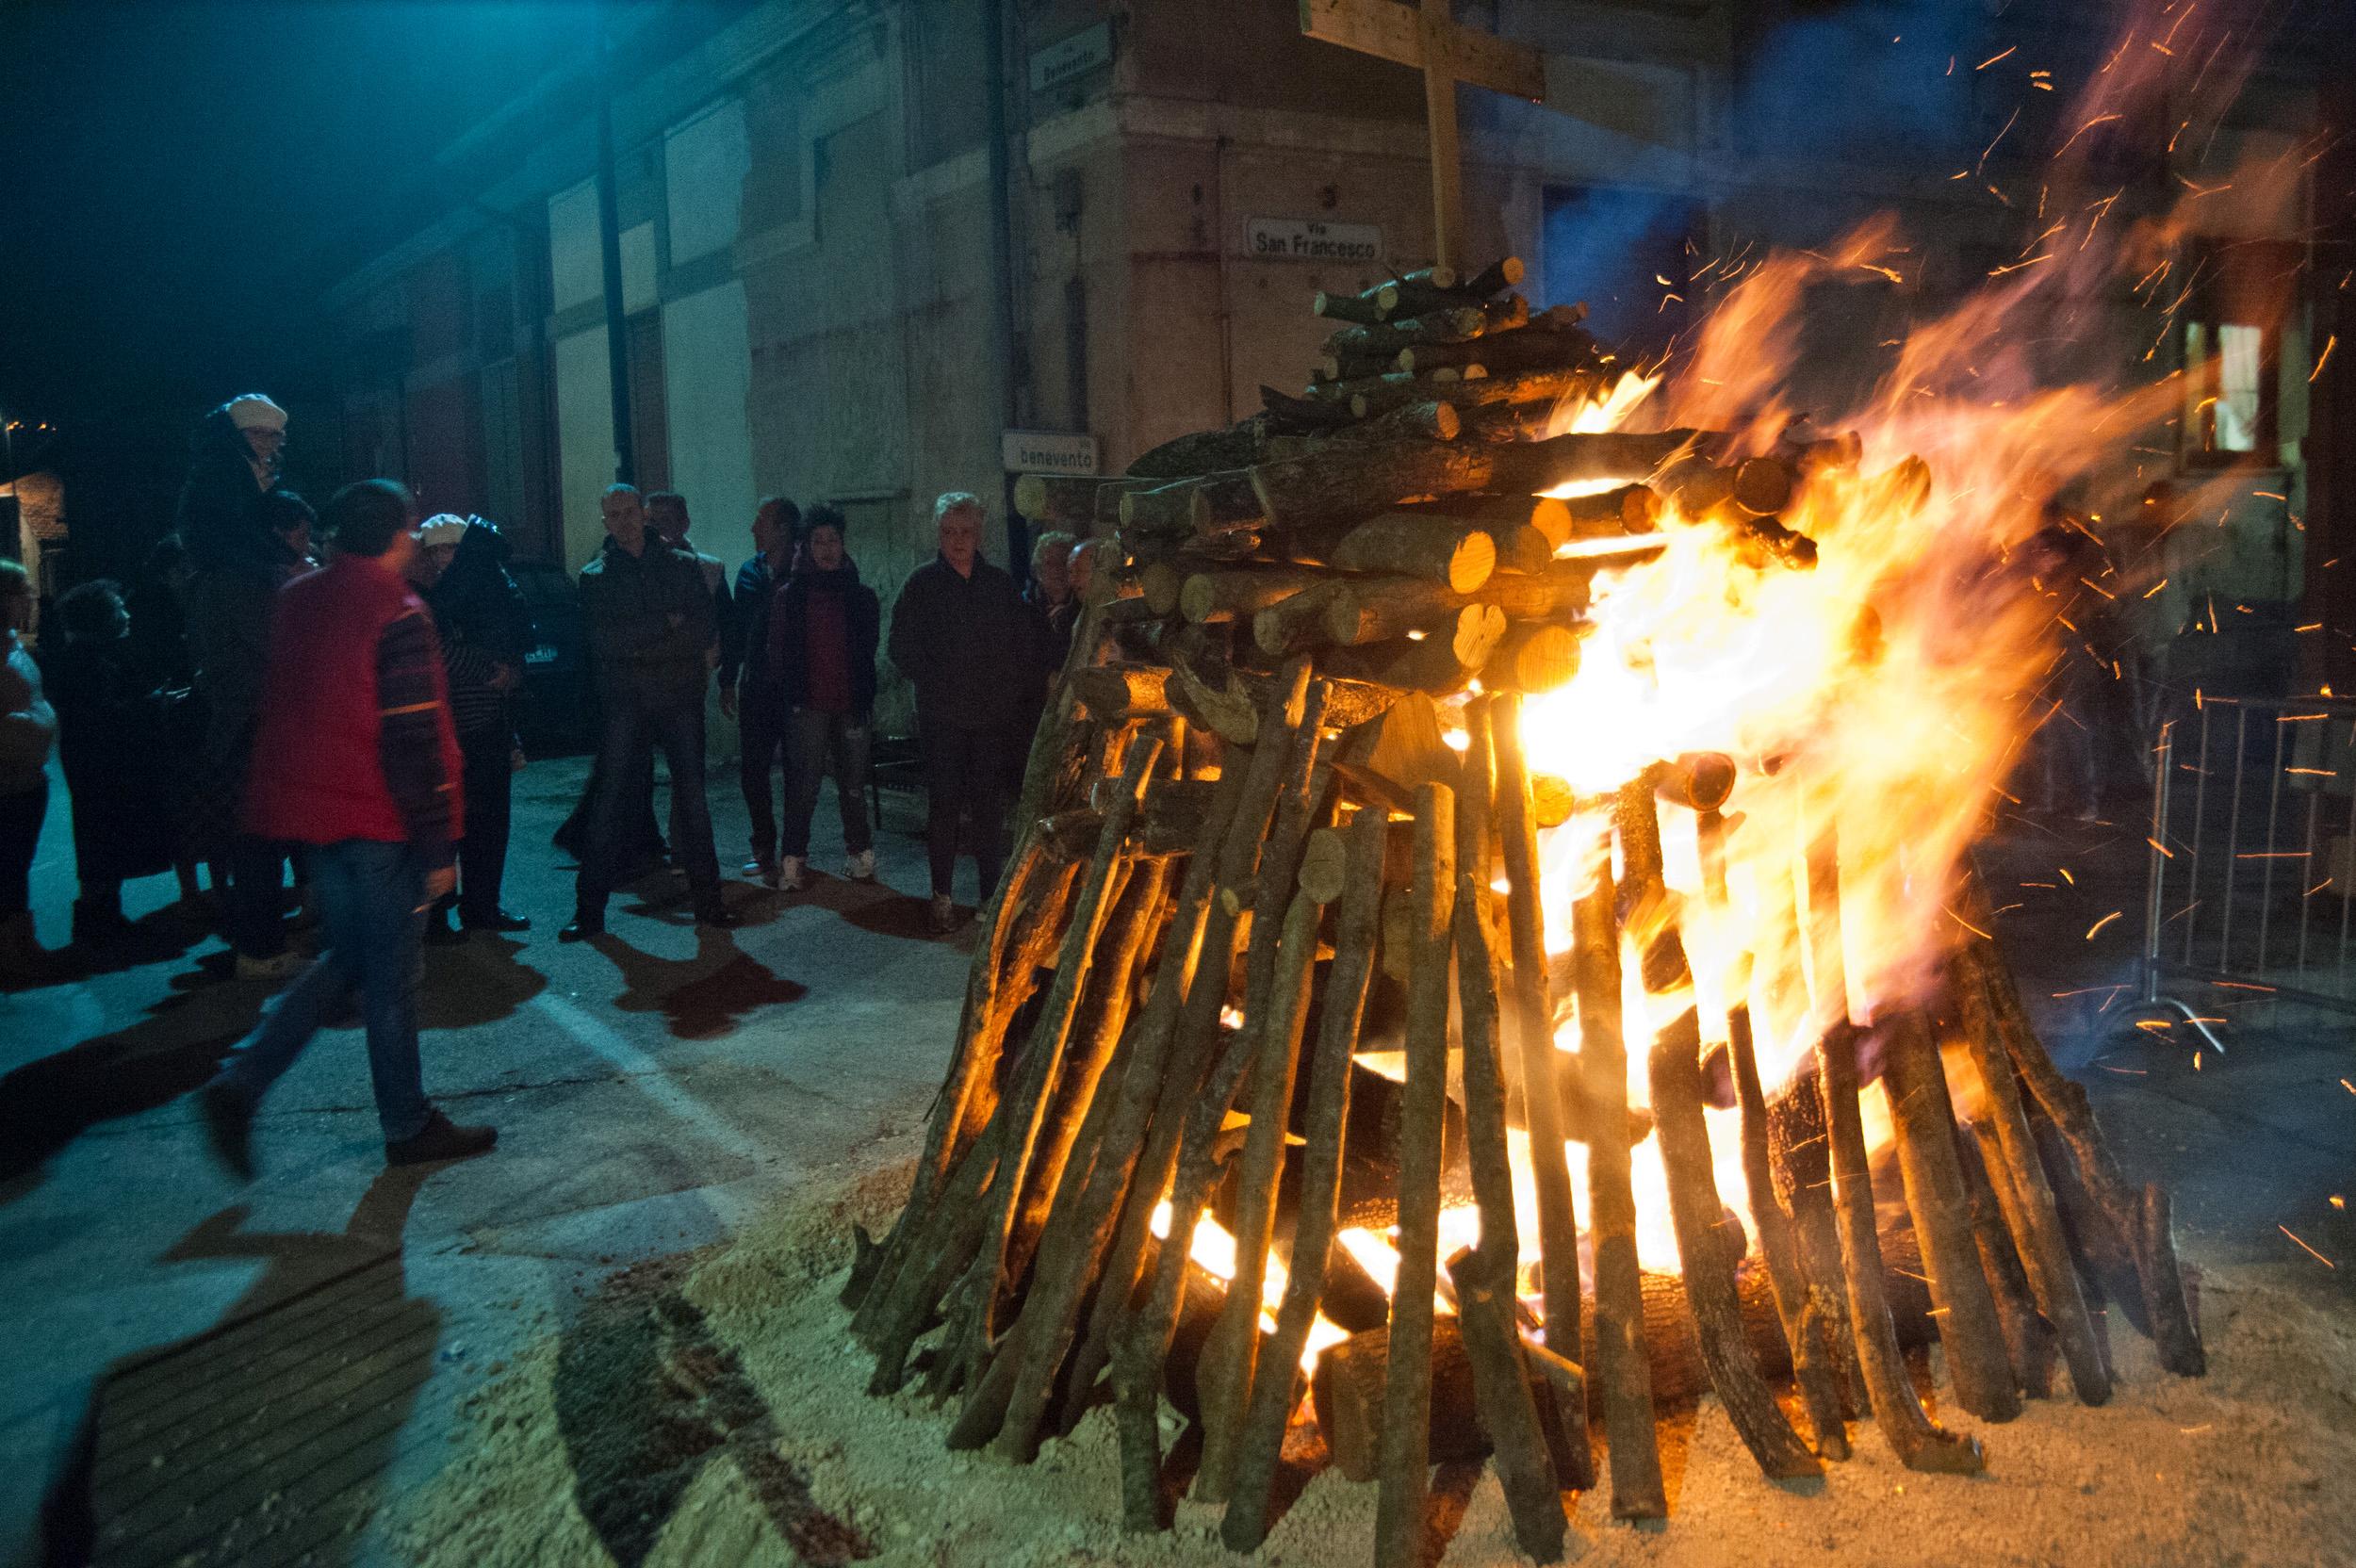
[1492, 949]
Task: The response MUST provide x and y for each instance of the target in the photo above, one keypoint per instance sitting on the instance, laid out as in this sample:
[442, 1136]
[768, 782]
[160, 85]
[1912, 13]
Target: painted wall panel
[708, 380]
[585, 436]
[575, 272]
[705, 162]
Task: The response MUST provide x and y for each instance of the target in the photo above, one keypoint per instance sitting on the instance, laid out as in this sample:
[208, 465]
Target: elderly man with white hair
[965, 640]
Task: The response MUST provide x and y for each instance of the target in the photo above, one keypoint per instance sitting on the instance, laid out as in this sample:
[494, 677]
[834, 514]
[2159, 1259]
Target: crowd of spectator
[316, 713]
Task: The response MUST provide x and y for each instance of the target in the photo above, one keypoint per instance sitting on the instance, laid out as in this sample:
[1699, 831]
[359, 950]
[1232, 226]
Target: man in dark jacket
[747, 692]
[821, 653]
[965, 640]
[485, 628]
[356, 758]
[652, 636]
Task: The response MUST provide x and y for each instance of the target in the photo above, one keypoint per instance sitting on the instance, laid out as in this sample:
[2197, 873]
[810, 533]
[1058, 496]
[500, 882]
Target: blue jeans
[368, 895]
[825, 742]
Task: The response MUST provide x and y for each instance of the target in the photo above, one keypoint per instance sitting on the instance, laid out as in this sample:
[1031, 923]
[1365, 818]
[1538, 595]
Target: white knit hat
[443, 528]
[252, 411]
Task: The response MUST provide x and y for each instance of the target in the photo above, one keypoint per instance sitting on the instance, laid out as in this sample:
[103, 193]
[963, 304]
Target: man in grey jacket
[653, 637]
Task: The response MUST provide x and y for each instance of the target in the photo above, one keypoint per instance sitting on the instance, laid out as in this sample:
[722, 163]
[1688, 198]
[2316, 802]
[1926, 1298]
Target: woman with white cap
[485, 630]
[239, 559]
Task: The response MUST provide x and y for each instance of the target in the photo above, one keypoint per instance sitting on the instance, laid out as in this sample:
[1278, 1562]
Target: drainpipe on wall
[610, 256]
[1008, 348]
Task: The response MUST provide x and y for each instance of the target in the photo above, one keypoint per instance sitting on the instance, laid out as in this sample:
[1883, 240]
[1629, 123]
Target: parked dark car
[552, 718]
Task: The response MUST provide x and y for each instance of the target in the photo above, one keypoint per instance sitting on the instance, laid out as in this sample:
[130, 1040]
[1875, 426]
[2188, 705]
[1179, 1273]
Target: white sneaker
[792, 877]
[285, 966]
[861, 867]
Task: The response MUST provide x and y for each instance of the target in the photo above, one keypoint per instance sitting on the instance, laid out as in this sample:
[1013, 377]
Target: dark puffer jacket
[969, 645]
[650, 623]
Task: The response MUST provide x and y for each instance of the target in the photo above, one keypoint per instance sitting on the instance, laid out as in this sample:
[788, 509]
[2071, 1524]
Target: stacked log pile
[1250, 851]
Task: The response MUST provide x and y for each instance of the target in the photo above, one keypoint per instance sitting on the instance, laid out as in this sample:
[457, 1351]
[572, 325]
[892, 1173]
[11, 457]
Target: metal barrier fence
[2252, 887]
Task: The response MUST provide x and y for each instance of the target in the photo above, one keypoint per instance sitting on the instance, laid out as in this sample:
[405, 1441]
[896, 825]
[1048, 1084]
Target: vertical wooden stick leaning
[1813, 1368]
[1080, 1100]
[2028, 1338]
[1000, 982]
[1144, 1346]
[1485, 1279]
[1225, 1382]
[1541, 1063]
[2027, 1201]
[1356, 926]
[2142, 1218]
[1399, 1523]
[1067, 1261]
[1675, 1075]
[1234, 1340]
[1195, 1037]
[971, 1330]
[1674, 1071]
[1962, 1304]
[1800, 1160]
[1621, 1379]
[1920, 1442]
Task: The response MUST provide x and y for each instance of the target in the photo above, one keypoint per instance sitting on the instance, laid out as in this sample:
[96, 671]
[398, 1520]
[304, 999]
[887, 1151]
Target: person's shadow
[262, 1438]
[50, 1101]
[480, 980]
[875, 908]
[647, 1395]
[699, 998]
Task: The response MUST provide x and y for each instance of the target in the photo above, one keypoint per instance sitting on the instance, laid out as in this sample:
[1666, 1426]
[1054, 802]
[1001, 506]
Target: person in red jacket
[354, 757]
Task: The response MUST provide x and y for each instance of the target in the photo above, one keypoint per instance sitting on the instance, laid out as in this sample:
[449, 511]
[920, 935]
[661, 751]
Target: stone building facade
[805, 199]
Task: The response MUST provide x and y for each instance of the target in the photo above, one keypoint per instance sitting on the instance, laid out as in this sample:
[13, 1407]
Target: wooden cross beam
[1428, 38]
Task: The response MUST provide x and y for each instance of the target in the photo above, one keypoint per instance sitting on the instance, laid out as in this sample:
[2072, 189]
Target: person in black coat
[824, 627]
[748, 693]
[485, 630]
[236, 524]
[116, 768]
[965, 640]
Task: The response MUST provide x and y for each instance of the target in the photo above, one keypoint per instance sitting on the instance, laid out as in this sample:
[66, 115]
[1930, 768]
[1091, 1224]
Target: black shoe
[229, 1127]
[441, 1140]
[439, 932]
[498, 920]
[584, 926]
[716, 914]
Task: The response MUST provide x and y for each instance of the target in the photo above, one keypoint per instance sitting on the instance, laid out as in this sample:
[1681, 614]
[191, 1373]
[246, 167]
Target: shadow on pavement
[875, 908]
[155, 937]
[479, 981]
[699, 998]
[647, 1395]
[47, 1103]
[261, 1439]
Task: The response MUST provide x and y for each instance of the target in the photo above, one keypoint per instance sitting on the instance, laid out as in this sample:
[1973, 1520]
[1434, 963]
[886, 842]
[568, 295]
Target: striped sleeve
[409, 743]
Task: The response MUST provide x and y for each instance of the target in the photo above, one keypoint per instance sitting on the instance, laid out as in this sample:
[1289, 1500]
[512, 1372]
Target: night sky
[182, 181]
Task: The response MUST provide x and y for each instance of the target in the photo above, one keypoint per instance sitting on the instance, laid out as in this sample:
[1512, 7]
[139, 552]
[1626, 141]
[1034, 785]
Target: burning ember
[1496, 880]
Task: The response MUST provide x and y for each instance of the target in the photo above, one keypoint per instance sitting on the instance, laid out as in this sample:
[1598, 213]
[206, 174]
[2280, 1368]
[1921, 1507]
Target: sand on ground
[711, 1408]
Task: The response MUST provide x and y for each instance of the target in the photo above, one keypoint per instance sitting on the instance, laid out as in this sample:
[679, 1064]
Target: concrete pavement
[648, 1090]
